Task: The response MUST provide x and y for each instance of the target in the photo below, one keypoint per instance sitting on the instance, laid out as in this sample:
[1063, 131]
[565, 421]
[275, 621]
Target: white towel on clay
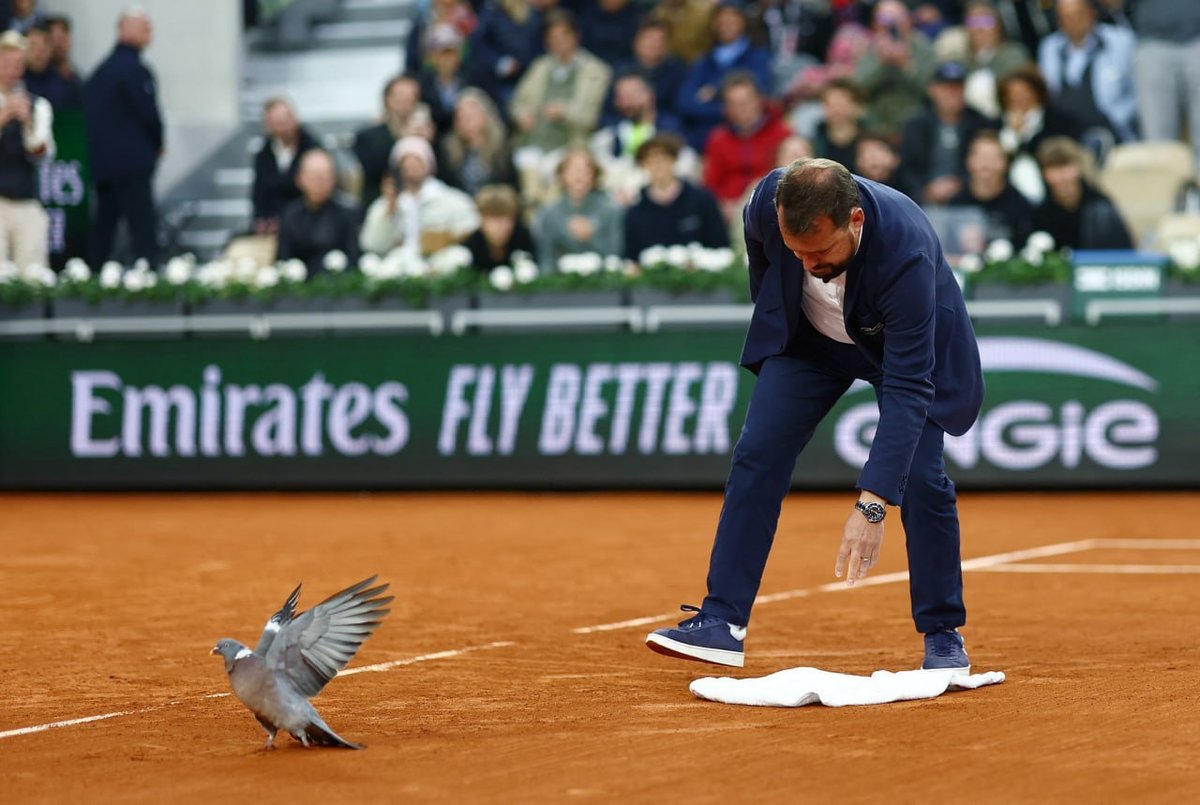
[797, 687]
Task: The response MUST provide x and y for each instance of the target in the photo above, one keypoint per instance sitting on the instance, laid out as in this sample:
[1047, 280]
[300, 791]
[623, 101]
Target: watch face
[874, 512]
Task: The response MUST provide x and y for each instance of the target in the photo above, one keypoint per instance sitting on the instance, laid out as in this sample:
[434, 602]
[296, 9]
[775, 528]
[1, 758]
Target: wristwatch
[874, 512]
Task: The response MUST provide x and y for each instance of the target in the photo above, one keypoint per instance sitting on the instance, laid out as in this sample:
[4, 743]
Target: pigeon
[296, 657]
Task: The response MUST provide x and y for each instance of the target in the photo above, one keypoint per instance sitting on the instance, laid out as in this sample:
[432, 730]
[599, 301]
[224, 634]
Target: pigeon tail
[318, 733]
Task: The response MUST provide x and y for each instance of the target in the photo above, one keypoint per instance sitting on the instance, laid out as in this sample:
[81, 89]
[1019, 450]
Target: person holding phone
[895, 70]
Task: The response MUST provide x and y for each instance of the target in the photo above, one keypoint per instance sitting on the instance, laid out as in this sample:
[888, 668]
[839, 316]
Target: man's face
[280, 122]
[23, 8]
[728, 25]
[12, 66]
[840, 106]
[948, 97]
[317, 178]
[413, 170]
[659, 167]
[824, 250]
[37, 51]
[447, 60]
[875, 160]
[561, 42]
[631, 98]
[402, 97]
[1076, 18]
[743, 107]
[498, 229]
[1063, 181]
[986, 161]
[60, 41]
[650, 46]
[137, 31]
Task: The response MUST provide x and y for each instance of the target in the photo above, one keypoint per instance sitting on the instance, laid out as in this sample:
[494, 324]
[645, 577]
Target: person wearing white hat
[417, 212]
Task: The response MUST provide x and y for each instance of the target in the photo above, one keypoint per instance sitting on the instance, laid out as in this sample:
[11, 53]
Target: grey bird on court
[296, 657]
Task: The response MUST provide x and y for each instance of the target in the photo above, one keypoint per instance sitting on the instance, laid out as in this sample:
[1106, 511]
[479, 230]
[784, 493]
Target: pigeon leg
[304, 739]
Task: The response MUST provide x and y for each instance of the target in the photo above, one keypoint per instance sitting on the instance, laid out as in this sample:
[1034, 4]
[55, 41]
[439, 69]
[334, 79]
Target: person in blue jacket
[849, 283]
[125, 141]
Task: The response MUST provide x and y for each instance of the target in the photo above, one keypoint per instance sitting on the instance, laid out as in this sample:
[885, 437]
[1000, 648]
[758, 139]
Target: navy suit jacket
[120, 105]
[903, 309]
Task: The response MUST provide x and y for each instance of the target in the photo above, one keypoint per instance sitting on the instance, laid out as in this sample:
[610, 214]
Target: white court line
[979, 563]
[382, 666]
[1052, 568]
[1149, 544]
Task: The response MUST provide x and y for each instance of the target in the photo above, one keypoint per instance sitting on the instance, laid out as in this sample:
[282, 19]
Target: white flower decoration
[245, 270]
[141, 265]
[1041, 241]
[1185, 254]
[999, 250]
[369, 265]
[449, 260]
[336, 261]
[501, 278]
[178, 271]
[294, 271]
[1032, 255]
[568, 264]
[677, 256]
[134, 281]
[590, 263]
[525, 271]
[215, 275]
[43, 275]
[652, 256]
[613, 263]
[110, 276]
[77, 270]
[266, 277]
[9, 271]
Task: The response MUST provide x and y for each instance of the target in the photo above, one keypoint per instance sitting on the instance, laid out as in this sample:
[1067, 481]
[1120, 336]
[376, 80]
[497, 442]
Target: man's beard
[835, 270]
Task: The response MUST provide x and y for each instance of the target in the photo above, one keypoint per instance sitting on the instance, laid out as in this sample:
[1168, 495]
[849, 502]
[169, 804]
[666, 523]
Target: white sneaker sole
[964, 671]
[673, 648]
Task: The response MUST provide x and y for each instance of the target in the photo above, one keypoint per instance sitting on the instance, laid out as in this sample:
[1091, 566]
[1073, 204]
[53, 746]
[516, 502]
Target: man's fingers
[840, 564]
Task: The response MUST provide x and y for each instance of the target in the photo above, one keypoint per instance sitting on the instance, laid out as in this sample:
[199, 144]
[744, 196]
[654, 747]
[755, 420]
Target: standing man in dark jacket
[849, 283]
[125, 141]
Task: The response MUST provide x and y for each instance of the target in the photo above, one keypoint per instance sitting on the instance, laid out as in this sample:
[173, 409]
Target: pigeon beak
[215, 650]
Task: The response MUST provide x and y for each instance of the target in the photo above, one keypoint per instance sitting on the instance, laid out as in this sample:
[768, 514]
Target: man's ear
[857, 216]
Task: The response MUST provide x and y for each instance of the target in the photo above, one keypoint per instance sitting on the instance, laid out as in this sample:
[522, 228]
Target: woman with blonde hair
[475, 151]
[584, 219]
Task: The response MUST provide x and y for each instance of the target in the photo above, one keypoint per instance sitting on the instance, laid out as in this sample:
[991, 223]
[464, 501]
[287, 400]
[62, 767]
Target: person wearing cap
[125, 142]
[25, 139]
[445, 78]
[417, 212]
[896, 68]
[934, 143]
[316, 224]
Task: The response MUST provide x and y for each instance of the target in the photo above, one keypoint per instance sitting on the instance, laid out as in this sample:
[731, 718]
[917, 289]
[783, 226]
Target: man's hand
[554, 111]
[862, 542]
[581, 227]
[19, 107]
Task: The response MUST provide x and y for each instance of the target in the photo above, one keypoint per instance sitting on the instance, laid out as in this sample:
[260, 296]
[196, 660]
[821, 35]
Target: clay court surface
[110, 603]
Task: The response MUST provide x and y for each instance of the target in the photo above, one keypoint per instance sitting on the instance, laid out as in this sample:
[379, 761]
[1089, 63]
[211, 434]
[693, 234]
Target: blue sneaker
[944, 651]
[702, 637]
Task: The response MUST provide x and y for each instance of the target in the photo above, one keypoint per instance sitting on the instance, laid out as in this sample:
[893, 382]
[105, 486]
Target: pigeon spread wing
[311, 648]
[280, 619]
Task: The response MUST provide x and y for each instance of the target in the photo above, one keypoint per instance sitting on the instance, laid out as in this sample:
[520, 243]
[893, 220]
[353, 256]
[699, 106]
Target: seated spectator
[475, 152]
[500, 233]
[1088, 67]
[276, 164]
[989, 55]
[848, 46]
[316, 223]
[402, 116]
[742, 149]
[26, 136]
[457, 15]
[59, 28]
[671, 210]
[876, 159]
[895, 69]
[42, 79]
[1009, 214]
[1075, 213]
[1027, 119]
[652, 59]
[559, 99]
[934, 144]
[25, 16]
[609, 28]
[700, 104]
[417, 212]
[506, 41]
[583, 219]
[1168, 69]
[445, 78]
[837, 134]
[689, 24]
[616, 146]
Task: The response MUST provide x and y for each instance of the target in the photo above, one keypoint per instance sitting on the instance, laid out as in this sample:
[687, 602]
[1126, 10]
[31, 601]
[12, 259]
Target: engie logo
[1027, 434]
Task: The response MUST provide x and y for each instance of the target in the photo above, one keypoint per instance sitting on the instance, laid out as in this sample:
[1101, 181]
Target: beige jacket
[583, 110]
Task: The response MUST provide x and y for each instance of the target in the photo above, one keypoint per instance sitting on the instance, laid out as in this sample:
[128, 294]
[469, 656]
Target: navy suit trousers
[794, 393]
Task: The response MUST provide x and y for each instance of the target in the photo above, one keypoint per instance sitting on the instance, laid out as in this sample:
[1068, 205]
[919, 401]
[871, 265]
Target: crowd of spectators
[565, 126]
[610, 126]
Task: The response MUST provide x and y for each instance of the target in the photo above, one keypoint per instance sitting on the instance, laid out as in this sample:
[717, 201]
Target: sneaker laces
[946, 643]
[697, 620]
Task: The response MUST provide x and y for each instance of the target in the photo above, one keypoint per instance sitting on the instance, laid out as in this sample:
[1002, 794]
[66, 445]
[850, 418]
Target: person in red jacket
[742, 148]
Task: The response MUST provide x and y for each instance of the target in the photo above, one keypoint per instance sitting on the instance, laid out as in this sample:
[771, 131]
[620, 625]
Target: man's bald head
[134, 28]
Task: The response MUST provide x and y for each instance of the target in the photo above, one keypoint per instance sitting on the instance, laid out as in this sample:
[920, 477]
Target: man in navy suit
[849, 282]
[125, 141]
